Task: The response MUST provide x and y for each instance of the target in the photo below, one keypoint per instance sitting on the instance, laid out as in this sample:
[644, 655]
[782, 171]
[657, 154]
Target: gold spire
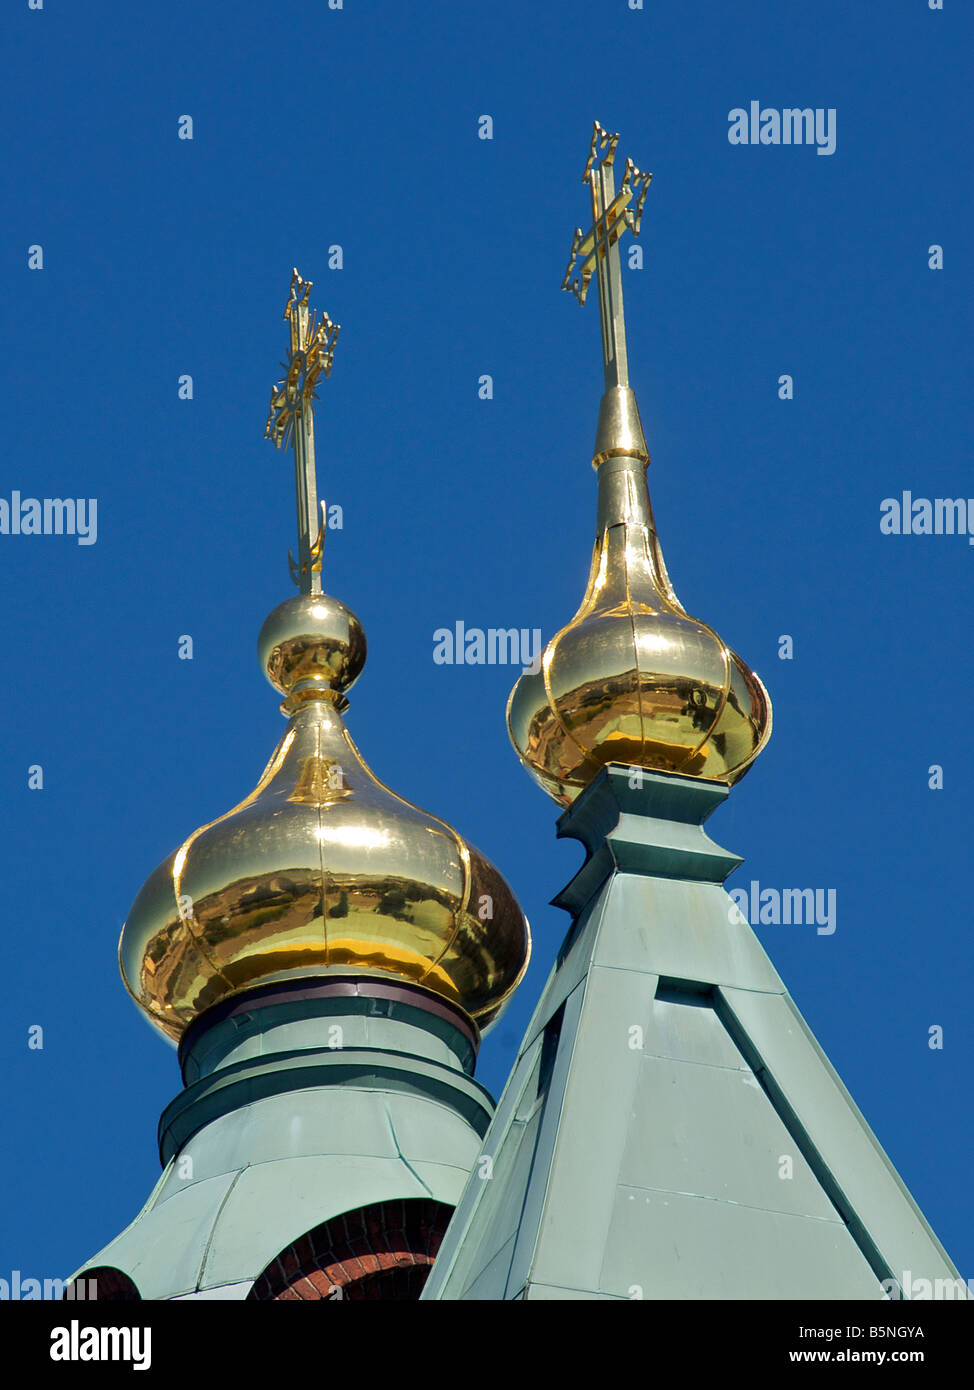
[321, 869]
[632, 679]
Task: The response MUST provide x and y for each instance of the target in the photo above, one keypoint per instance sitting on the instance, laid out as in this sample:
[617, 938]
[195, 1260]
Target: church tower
[325, 955]
[671, 1128]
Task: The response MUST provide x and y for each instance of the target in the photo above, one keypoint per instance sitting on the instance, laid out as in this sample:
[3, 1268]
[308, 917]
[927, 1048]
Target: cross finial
[598, 249]
[311, 351]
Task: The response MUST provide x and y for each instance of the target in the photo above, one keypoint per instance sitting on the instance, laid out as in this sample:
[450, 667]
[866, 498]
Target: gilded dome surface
[321, 869]
[633, 678]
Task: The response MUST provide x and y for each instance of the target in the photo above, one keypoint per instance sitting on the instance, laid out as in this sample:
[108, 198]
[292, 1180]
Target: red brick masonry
[383, 1251]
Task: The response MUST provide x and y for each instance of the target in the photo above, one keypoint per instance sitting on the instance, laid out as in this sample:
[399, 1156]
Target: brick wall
[383, 1251]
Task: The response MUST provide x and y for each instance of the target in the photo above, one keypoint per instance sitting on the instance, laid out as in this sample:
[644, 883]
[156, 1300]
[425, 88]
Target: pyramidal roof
[671, 1128]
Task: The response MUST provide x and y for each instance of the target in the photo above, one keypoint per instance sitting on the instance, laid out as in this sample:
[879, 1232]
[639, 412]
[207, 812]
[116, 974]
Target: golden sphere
[312, 644]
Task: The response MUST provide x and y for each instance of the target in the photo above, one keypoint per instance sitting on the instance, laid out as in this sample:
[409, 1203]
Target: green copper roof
[671, 1128]
[279, 1130]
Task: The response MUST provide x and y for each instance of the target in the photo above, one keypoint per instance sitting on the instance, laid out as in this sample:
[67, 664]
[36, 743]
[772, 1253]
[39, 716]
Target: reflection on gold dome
[321, 869]
[632, 678]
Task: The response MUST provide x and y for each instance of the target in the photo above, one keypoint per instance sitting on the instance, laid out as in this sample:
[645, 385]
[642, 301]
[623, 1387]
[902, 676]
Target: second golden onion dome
[322, 869]
[633, 679]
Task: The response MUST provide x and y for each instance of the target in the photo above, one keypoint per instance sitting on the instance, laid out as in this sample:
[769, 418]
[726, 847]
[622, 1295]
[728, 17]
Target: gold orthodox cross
[291, 417]
[598, 250]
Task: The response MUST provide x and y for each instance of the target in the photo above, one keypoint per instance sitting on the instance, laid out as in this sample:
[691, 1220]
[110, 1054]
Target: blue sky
[358, 127]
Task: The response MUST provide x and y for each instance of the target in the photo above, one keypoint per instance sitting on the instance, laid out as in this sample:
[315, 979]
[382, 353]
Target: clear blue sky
[358, 127]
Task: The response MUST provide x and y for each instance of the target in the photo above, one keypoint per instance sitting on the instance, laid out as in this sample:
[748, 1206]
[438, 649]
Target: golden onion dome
[321, 870]
[633, 679]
